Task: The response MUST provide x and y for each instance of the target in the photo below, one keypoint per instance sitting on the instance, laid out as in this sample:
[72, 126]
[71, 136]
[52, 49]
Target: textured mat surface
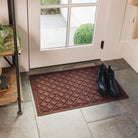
[65, 90]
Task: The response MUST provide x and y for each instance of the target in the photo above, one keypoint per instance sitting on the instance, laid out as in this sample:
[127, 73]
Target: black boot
[102, 80]
[113, 88]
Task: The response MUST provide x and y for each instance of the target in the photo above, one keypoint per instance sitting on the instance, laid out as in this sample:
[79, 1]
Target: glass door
[65, 31]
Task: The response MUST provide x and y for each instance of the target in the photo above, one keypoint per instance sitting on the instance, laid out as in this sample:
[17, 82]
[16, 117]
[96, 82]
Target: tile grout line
[31, 101]
[36, 121]
[33, 106]
[86, 123]
[108, 118]
[129, 110]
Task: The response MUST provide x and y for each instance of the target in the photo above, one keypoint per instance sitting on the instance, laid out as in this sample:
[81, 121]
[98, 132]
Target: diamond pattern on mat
[65, 90]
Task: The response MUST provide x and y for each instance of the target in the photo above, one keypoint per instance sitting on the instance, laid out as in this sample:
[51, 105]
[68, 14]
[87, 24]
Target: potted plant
[6, 39]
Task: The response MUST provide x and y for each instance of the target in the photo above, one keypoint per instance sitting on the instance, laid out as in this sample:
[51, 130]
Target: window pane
[84, 1]
[53, 2]
[53, 23]
[82, 25]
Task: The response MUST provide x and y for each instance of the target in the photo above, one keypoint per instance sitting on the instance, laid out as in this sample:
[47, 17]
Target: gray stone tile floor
[117, 119]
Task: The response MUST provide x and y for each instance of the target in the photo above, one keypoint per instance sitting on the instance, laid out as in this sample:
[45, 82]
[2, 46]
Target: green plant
[49, 2]
[6, 35]
[84, 34]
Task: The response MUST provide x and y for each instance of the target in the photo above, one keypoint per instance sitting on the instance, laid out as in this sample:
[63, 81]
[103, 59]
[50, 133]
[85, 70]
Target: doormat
[66, 90]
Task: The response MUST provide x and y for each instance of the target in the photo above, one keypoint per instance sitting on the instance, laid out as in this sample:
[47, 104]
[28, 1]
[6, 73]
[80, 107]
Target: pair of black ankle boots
[106, 83]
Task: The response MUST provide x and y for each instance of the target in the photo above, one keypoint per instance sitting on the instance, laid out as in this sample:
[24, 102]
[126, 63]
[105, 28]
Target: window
[67, 23]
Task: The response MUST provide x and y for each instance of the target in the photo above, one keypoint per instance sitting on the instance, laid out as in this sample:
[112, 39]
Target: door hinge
[102, 44]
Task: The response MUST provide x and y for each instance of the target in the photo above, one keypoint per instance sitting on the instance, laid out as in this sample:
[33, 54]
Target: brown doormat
[66, 90]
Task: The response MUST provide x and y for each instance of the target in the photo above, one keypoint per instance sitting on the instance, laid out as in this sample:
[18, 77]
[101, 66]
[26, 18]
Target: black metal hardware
[13, 60]
[102, 44]
[8, 61]
[10, 13]
[12, 21]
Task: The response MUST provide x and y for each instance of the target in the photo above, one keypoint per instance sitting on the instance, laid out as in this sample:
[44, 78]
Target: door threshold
[61, 67]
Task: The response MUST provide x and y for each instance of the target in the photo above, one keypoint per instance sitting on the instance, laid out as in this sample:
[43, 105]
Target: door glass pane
[52, 2]
[82, 25]
[53, 23]
[84, 1]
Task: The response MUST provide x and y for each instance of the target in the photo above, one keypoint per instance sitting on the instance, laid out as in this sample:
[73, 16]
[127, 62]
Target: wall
[21, 21]
[129, 46]
[130, 54]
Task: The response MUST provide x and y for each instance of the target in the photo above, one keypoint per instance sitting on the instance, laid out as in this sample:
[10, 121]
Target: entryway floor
[110, 120]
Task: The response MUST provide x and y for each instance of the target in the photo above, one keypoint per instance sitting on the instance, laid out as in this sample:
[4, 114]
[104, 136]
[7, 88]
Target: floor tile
[26, 89]
[132, 107]
[117, 64]
[103, 111]
[118, 127]
[13, 126]
[128, 79]
[69, 124]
